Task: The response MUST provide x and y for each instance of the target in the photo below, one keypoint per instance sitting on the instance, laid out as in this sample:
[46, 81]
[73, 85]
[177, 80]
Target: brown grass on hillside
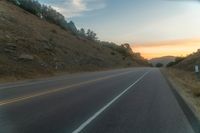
[188, 87]
[32, 47]
[190, 61]
[188, 79]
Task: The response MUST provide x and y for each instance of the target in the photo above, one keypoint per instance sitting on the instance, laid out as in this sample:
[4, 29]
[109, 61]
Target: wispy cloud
[73, 8]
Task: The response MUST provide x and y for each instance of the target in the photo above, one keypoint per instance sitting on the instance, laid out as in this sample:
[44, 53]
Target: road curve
[134, 100]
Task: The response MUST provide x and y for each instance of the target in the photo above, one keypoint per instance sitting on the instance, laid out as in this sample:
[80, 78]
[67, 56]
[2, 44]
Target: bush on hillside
[177, 60]
[126, 51]
[45, 12]
[51, 15]
[159, 65]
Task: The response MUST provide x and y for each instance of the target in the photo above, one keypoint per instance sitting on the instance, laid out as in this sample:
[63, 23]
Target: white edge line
[87, 122]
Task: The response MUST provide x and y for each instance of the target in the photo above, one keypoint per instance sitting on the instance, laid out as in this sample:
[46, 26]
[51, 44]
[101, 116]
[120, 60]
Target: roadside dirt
[187, 86]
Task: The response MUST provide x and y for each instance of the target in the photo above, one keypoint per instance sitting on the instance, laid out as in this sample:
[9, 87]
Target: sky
[145, 24]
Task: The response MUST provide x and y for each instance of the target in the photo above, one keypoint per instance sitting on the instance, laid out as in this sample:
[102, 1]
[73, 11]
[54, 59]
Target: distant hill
[164, 60]
[31, 46]
[190, 61]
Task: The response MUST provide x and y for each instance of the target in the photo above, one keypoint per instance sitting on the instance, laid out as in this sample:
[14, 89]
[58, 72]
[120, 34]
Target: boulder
[26, 57]
[10, 48]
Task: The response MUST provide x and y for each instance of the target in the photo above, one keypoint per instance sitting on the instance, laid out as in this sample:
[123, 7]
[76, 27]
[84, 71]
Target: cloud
[73, 8]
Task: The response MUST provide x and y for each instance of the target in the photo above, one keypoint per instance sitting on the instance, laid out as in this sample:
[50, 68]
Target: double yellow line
[23, 98]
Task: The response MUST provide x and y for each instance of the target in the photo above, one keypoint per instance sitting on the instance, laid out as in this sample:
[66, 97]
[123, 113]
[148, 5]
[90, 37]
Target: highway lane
[149, 107]
[34, 87]
[142, 103]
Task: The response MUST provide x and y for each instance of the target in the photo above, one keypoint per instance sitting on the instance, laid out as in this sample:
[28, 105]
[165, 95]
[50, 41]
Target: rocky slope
[30, 46]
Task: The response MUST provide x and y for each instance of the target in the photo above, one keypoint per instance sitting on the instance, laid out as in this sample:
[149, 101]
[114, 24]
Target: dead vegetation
[188, 86]
[187, 79]
[190, 61]
[32, 47]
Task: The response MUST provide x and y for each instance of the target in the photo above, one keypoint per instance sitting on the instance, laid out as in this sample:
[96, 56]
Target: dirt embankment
[32, 47]
[187, 86]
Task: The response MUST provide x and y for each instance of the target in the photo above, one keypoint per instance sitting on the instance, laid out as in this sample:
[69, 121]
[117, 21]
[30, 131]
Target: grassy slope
[184, 76]
[189, 63]
[187, 85]
[52, 48]
[187, 79]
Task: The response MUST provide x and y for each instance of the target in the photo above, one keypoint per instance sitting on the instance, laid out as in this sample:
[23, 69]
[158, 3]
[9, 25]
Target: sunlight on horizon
[167, 48]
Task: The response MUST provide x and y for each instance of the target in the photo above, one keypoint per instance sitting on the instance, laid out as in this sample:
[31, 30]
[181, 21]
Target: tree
[91, 35]
[177, 60]
[82, 32]
[45, 12]
[16, 2]
[128, 48]
[72, 27]
[170, 64]
[51, 15]
[31, 6]
[159, 65]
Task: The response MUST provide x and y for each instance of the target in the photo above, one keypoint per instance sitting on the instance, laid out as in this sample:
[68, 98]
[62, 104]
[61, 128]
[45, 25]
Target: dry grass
[187, 79]
[188, 63]
[54, 50]
[187, 85]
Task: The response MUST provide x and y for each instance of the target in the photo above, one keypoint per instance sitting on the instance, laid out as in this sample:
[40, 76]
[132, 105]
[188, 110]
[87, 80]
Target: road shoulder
[186, 102]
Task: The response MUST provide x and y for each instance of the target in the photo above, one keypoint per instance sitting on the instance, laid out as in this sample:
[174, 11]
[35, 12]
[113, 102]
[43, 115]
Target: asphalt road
[134, 100]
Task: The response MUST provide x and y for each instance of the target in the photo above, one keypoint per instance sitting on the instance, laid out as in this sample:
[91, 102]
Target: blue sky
[134, 21]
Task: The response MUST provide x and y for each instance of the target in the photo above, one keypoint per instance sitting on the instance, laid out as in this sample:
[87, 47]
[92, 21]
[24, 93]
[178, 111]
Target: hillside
[189, 62]
[164, 60]
[31, 47]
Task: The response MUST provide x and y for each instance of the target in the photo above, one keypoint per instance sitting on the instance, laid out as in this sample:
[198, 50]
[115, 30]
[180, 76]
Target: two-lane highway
[134, 100]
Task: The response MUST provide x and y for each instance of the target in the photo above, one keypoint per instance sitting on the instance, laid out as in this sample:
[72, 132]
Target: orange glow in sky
[165, 48]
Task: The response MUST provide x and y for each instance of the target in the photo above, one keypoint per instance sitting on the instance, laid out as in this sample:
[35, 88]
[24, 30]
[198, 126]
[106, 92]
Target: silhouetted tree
[127, 47]
[45, 12]
[31, 6]
[177, 60]
[72, 27]
[159, 65]
[82, 32]
[51, 15]
[91, 35]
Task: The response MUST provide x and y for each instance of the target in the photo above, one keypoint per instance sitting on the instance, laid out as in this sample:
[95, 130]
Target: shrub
[112, 53]
[45, 12]
[177, 60]
[159, 65]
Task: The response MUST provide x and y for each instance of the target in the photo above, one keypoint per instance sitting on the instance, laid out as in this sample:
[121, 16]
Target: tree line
[51, 15]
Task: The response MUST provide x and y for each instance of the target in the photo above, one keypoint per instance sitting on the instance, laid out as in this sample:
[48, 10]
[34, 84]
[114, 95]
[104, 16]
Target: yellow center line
[23, 98]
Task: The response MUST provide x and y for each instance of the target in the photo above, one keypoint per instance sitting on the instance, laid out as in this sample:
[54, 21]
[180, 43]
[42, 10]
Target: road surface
[134, 100]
